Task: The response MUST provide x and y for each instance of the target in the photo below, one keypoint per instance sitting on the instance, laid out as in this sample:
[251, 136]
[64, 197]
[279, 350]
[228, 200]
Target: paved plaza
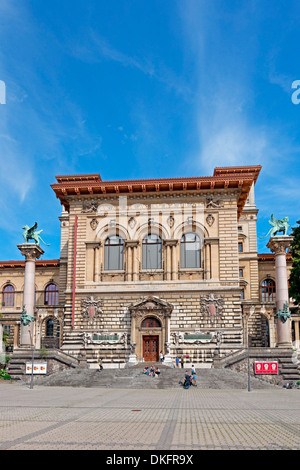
[75, 418]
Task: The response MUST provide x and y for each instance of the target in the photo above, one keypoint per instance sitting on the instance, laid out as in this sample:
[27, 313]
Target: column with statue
[32, 252]
[279, 244]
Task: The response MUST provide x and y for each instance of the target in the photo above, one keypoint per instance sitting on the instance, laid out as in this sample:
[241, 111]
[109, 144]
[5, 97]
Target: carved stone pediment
[151, 304]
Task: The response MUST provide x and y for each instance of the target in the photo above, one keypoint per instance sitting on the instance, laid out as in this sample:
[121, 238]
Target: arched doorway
[51, 333]
[151, 341]
[150, 328]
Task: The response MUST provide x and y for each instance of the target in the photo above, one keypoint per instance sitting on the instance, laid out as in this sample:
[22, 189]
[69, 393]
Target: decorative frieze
[196, 338]
[104, 340]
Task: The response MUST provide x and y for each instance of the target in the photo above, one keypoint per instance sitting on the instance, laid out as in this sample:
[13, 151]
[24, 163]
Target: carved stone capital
[31, 251]
[279, 245]
[132, 243]
[170, 242]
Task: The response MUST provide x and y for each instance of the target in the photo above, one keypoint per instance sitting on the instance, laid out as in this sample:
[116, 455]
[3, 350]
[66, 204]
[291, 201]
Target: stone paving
[74, 418]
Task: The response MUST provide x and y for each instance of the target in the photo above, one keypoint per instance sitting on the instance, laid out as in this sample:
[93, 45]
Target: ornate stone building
[152, 265]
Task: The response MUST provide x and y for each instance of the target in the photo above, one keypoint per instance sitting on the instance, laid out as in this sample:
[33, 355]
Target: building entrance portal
[150, 328]
[150, 348]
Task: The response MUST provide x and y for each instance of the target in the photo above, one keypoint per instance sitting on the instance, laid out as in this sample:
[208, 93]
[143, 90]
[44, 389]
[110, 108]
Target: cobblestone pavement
[171, 419]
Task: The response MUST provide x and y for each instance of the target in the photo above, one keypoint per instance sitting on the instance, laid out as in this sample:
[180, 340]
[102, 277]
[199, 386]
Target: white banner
[38, 367]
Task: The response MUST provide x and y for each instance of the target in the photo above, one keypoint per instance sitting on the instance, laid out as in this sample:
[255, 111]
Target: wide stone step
[134, 378]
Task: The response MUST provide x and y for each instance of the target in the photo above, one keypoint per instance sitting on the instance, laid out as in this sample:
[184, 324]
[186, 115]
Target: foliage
[43, 353]
[294, 290]
[4, 374]
[5, 337]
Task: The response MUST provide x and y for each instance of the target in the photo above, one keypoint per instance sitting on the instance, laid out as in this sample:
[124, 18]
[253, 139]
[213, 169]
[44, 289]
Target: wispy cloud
[97, 48]
[230, 131]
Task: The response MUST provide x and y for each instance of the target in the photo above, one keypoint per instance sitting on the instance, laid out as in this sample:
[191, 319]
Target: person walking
[100, 365]
[181, 362]
[194, 376]
[177, 362]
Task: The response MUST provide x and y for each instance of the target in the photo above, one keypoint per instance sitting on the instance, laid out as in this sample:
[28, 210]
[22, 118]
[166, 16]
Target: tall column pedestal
[31, 251]
[279, 245]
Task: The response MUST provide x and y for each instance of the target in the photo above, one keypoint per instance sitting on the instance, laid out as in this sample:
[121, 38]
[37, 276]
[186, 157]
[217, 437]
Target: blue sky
[145, 89]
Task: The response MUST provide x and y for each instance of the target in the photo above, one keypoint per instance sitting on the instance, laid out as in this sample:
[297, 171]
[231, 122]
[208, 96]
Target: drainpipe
[74, 270]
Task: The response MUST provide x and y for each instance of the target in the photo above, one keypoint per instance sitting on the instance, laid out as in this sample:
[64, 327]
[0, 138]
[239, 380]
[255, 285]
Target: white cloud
[97, 47]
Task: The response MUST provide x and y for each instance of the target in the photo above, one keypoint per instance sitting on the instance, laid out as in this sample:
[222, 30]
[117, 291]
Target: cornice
[240, 178]
[21, 263]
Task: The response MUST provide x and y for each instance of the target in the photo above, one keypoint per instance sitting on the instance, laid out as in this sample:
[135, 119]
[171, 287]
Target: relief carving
[214, 204]
[210, 219]
[90, 206]
[211, 305]
[91, 309]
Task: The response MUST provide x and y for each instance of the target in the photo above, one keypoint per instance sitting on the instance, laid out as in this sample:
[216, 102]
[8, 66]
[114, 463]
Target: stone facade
[209, 303]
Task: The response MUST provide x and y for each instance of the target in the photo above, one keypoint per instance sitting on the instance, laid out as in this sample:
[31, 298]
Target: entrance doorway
[150, 348]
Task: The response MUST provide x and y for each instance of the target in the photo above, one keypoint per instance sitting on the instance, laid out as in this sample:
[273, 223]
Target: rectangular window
[152, 252]
[240, 247]
[113, 257]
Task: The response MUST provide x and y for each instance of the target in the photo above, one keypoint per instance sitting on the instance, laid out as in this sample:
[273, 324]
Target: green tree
[294, 290]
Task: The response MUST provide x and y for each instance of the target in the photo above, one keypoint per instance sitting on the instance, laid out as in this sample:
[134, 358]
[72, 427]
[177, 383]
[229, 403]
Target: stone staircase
[19, 358]
[133, 378]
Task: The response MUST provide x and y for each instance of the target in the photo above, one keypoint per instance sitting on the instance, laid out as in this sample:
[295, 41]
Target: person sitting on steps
[187, 378]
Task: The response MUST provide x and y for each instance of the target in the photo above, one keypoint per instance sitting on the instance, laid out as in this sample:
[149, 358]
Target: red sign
[266, 367]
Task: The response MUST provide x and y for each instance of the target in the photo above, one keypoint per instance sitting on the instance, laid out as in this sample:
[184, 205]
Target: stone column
[129, 262]
[135, 264]
[97, 263]
[207, 259]
[279, 245]
[132, 360]
[168, 359]
[171, 271]
[31, 251]
[132, 262]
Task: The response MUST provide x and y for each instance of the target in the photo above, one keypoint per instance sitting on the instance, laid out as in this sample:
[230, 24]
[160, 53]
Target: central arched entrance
[149, 327]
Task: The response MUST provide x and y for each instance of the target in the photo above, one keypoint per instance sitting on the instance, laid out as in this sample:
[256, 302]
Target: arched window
[8, 297]
[51, 333]
[113, 253]
[152, 252]
[268, 291]
[151, 322]
[190, 251]
[50, 327]
[51, 295]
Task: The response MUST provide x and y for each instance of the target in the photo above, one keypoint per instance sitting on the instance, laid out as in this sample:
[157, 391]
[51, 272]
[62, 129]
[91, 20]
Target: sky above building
[145, 89]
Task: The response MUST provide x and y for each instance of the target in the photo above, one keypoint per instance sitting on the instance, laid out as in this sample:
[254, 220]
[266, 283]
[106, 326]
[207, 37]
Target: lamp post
[249, 375]
[32, 364]
[252, 309]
